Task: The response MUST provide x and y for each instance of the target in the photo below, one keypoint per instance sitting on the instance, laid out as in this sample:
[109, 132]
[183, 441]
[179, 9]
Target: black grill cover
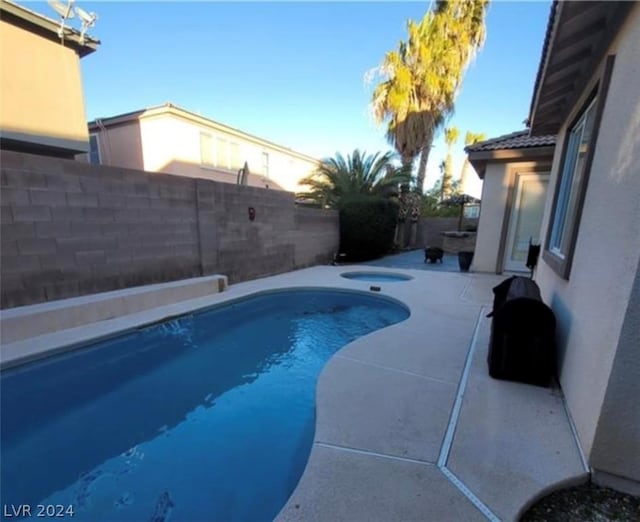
[522, 345]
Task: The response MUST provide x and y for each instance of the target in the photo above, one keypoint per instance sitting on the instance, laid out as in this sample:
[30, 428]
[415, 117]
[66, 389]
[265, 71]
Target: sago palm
[339, 178]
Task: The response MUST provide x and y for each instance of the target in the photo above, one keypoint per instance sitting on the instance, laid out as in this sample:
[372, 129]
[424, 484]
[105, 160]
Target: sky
[294, 72]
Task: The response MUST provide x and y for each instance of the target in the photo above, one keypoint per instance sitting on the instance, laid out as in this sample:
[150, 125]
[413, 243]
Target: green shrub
[367, 227]
[431, 207]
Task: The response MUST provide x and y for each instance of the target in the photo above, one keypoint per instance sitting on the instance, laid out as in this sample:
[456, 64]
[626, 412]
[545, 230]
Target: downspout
[107, 144]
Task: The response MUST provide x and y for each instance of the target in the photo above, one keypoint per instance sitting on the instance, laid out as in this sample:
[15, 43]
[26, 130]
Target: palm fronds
[358, 174]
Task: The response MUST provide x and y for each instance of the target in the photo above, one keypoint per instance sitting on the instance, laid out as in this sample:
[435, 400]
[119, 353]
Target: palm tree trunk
[447, 177]
[422, 166]
[463, 176]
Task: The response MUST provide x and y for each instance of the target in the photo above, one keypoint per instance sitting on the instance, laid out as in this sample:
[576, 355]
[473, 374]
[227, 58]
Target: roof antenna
[88, 20]
[65, 13]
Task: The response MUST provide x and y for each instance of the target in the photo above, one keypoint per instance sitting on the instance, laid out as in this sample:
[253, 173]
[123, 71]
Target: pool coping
[61, 340]
[25, 322]
[401, 278]
[447, 291]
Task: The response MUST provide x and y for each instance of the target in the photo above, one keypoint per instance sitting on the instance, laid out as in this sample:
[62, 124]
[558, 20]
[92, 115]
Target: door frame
[540, 168]
[514, 212]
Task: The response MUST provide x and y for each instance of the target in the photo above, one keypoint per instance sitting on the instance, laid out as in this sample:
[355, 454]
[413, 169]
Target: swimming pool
[375, 277]
[206, 417]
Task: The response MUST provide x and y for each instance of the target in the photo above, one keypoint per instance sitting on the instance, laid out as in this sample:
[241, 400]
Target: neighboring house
[41, 101]
[515, 169]
[176, 141]
[587, 93]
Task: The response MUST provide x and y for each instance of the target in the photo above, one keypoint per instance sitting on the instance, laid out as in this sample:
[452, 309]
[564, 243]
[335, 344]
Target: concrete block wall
[430, 229]
[70, 228]
[465, 242]
[316, 233]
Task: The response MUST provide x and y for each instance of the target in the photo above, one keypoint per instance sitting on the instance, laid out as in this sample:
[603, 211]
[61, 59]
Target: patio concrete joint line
[373, 454]
[451, 429]
[480, 506]
[465, 291]
[383, 367]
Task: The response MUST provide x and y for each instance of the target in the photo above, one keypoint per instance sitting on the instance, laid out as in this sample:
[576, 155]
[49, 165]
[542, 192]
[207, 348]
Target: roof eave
[46, 27]
[480, 159]
[578, 36]
[556, 7]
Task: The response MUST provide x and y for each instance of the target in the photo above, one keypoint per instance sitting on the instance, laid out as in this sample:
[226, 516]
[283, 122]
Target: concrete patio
[414, 259]
[409, 425]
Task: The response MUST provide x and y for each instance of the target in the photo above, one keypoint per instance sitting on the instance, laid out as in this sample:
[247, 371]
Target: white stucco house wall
[515, 173]
[176, 141]
[587, 94]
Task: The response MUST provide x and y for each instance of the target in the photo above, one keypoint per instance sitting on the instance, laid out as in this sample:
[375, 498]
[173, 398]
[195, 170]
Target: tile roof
[515, 140]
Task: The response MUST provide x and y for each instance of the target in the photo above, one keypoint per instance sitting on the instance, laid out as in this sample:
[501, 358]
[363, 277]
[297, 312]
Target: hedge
[367, 227]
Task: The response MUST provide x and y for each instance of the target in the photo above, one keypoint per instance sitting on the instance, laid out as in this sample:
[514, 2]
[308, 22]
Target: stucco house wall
[127, 140]
[594, 307]
[500, 162]
[168, 139]
[498, 193]
[495, 190]
[165, 141]
[41, 97]
[618, 425]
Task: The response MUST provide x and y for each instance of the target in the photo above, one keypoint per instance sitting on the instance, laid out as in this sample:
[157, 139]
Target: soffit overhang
[578, 36]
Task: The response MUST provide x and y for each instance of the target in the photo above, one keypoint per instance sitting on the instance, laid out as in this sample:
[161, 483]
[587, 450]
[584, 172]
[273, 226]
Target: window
[265, 164]
[206, 149]
[472, 211]
[94, 149]
[571, 186]
[571, 181]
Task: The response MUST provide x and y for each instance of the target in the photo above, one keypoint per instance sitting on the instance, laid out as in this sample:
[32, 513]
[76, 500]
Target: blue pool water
[375, 277]
[206, 417]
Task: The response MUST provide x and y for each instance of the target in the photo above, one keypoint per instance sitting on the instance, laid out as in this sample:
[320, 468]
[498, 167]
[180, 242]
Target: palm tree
[422, 78]
[466, 20]
[470, 138]
[340, 178]
[409, 98]
[450, 137]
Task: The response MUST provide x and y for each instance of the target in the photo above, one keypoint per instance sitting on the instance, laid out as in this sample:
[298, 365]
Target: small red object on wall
[252, 213]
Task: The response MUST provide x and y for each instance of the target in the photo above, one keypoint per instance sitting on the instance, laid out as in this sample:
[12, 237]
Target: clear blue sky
[293, 72]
